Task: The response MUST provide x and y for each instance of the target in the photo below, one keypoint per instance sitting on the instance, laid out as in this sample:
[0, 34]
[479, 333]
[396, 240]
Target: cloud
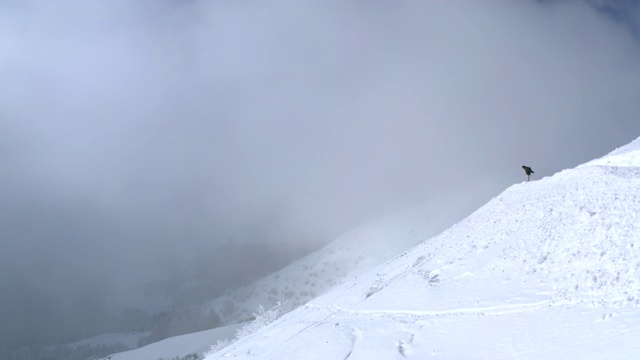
[131, 129]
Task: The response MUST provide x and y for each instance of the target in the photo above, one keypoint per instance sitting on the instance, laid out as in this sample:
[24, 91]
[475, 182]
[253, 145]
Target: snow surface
[546, 270]
[180, 346]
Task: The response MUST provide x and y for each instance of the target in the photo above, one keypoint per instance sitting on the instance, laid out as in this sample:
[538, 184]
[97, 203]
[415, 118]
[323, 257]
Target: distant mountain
[548, 269]
[190, 282]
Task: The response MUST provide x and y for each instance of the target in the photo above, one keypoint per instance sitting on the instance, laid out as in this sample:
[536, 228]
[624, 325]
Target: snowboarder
[528, 171]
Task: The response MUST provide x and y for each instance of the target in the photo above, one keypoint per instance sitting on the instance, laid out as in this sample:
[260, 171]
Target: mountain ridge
[557, 252]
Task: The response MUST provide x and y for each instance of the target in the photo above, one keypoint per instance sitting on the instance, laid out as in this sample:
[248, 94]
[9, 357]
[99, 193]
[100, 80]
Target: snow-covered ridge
[547, 269]
[628, 155]
[130, 340]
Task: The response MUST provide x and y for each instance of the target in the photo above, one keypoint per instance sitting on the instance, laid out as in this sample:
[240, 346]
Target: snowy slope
[546, 270]
[346, 257]
[178, 346]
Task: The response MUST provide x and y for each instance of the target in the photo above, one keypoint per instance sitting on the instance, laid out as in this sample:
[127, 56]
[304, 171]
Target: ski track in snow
[488, 310]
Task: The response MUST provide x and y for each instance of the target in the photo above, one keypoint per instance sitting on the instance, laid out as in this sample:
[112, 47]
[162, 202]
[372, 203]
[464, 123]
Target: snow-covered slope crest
[547, 269]
[628, 155]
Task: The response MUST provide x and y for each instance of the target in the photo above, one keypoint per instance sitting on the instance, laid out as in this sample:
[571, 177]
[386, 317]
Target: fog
[133, 131]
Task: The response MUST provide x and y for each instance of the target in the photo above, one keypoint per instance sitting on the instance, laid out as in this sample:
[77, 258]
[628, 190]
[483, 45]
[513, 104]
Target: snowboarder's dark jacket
[527, 170]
